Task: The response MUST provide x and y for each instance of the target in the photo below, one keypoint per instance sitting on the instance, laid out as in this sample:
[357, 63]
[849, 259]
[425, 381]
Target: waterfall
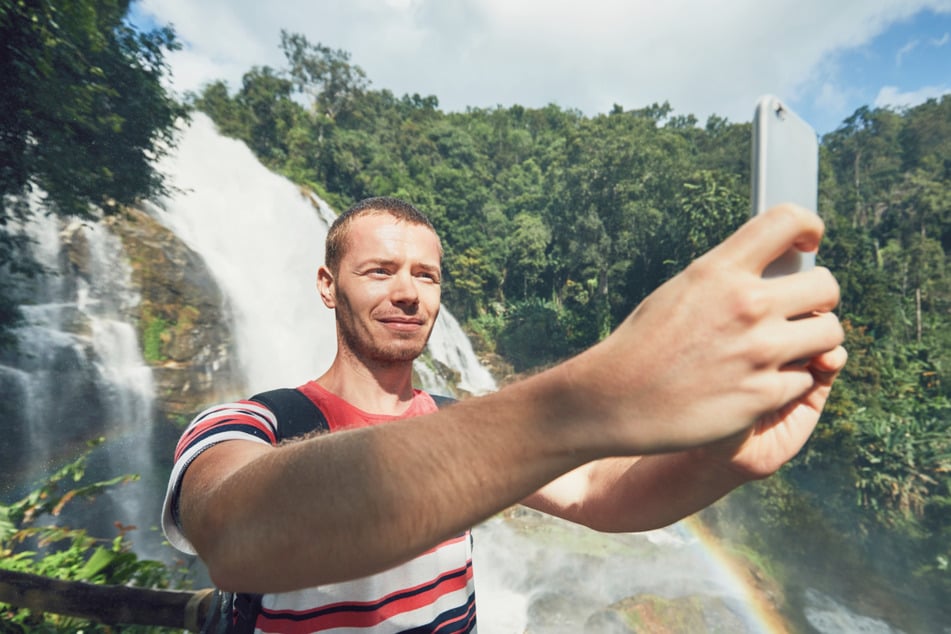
[263, 239]
[450, 346]
[77, 372]
[106, 297]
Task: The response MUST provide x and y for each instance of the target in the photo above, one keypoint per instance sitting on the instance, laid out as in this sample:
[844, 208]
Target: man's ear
[326, 288]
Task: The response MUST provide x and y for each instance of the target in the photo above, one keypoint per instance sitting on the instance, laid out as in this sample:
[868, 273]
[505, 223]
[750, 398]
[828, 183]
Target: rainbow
[761, 615]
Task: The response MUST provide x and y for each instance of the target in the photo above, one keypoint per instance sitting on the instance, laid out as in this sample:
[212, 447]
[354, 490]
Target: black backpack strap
[295, 413]
[442, 401]
[231, 613]
[298, 415]
[218, 618]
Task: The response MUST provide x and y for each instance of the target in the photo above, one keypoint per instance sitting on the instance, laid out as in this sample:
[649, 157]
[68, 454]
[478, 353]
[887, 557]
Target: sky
[824, 58]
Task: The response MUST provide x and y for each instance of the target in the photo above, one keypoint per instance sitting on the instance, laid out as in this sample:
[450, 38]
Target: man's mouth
[401, 323]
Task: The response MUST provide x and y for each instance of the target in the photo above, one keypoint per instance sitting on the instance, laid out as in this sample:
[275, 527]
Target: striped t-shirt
[432, 593]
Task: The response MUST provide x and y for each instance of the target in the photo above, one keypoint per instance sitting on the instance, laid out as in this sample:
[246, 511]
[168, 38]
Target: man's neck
[380, 389]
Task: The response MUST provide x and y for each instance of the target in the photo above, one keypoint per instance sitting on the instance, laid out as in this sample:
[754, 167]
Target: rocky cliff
[111, 293]
[182, 319]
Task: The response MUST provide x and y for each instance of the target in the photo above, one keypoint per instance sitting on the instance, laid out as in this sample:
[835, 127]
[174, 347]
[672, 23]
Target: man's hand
[776, 438]
[718, 348]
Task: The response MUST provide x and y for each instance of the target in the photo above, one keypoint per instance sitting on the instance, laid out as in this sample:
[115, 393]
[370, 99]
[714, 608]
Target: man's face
[386, 291]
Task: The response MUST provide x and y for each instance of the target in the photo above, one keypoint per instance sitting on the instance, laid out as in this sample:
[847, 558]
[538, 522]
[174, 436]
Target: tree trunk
[918, 313]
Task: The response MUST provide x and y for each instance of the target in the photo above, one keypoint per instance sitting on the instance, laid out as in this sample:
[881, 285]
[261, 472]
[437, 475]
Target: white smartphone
[785, 170]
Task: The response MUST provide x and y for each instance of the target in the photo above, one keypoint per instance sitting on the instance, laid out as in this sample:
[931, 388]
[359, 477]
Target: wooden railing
[112, 605]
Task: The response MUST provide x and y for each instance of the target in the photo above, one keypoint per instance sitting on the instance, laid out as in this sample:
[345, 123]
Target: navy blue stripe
[372, 607]
[464, 617]
[219, 428]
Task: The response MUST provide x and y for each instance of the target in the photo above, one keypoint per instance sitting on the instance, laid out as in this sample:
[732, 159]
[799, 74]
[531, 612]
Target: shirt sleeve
[242, 420]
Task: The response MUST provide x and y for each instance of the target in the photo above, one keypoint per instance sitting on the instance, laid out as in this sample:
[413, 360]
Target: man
[716, 379]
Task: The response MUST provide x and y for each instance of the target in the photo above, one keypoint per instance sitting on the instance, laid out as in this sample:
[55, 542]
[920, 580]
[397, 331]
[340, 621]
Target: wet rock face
[182, 321]
[650, 613]
[107, 295]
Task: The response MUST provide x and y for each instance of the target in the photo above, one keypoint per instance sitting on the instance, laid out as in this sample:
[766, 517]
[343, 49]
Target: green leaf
[101, 559]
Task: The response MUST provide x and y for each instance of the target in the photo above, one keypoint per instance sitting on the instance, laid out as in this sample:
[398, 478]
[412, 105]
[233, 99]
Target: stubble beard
[382, 354]
[398, 350]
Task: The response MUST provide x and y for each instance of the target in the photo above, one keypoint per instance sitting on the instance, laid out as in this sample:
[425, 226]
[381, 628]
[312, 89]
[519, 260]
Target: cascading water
[106, 297]
[77, 372]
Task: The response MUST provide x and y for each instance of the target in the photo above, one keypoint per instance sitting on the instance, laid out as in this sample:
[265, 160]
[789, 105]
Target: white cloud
[904, 50]
[704, 57]
[891, 97]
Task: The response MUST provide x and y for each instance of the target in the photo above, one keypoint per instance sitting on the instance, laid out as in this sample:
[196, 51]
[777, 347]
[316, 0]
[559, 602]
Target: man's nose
[404, 289]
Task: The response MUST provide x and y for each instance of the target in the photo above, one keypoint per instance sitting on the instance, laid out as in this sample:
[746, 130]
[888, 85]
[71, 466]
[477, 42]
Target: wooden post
[105, 604]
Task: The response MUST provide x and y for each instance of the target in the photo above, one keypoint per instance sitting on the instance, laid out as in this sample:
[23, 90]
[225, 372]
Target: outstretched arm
[708, 355]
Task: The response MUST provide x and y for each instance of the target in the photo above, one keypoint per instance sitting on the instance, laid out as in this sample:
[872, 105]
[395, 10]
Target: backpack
[296, 415]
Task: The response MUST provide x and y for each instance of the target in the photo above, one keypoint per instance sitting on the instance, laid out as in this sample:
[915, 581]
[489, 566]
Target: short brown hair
[340, 229]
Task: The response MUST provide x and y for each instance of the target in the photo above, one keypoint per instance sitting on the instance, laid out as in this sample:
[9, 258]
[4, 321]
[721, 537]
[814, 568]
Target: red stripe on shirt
[227, 417]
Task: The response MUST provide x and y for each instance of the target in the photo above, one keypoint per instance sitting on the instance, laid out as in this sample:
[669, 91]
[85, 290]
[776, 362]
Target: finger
[810, 338]
[803, 294]
[767, 236]
[826, 366]
[793, 382]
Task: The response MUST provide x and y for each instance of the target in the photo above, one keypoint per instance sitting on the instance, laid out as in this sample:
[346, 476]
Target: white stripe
[249, 408]
[416, 572]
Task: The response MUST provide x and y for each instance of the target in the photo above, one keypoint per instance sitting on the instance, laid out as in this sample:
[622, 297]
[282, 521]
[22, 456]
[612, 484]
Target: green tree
[866, 156]
[471, 274]
[83, 109]
[325, 75]
[82, 113]
[271, 113]
[711, 208]
[528, 246]
[534, 334]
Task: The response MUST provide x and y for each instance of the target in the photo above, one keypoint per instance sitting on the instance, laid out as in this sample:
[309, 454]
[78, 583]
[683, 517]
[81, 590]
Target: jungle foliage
[33, 540]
